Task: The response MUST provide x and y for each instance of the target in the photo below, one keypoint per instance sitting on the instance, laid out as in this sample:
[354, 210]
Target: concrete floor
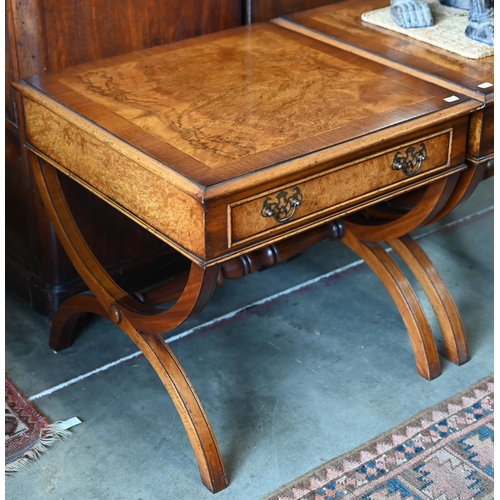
[287, 384]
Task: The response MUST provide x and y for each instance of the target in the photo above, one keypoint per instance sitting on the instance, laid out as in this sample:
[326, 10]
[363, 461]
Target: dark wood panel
[57, 33]
[264, 10]
[16, 200]
[10, 108]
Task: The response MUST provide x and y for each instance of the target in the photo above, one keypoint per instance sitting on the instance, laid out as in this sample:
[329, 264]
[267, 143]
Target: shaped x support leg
[141, 323]
[363, 237]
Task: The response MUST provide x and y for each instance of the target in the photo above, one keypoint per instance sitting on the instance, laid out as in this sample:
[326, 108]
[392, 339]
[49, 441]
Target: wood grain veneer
[141, 132]
[340, 25]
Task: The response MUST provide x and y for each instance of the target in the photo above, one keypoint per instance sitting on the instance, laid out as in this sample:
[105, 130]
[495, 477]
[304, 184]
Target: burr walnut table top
[340, 24]
[198, 139]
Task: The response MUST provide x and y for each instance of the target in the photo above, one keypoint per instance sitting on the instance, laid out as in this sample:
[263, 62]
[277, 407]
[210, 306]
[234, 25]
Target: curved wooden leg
[467, 183]
[170, 372]
[422, 340]
[190, 410]
[428, 206]
[393, 227]
[66, 317]
[444, 307]
[140, 322]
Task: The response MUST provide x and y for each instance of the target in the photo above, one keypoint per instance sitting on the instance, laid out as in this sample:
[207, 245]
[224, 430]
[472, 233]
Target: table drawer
[339, 187]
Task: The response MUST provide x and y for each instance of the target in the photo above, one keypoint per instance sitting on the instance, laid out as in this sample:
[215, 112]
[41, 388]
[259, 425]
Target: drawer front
[340, 187]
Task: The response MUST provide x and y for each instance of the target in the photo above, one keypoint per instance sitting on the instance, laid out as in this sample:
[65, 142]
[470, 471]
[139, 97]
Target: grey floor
[306, 374]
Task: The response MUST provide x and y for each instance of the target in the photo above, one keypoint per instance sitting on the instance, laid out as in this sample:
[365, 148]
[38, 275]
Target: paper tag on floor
[67, 424]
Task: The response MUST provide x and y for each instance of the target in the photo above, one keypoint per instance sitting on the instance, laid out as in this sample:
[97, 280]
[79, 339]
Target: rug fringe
[48, 436]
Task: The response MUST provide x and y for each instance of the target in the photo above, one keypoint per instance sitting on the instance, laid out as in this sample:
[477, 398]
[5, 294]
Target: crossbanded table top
[342, 25]
[222, 107]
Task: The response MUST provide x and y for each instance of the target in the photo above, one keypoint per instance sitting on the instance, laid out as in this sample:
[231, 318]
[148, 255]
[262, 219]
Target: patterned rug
[444, 452]
[27, 433]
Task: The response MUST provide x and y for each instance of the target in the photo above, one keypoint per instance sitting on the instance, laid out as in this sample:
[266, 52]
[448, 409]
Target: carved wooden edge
[245, 264]
[130, 315]
[62, 331]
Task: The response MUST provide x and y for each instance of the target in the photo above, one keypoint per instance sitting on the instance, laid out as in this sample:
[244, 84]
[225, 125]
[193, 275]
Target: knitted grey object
[411, 14]
[416, 14]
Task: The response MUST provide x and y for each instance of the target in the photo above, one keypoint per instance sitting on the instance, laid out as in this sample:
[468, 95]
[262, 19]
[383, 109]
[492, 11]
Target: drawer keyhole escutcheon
[283, 207]
[410, 161]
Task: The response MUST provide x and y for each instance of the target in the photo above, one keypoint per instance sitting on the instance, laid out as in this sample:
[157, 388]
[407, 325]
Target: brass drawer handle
[411, 161]
[283, 207]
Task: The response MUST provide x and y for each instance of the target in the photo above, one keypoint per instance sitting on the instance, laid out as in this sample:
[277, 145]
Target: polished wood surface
[279, 142]
[340, 25]
[260, 94]
[264, 97]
